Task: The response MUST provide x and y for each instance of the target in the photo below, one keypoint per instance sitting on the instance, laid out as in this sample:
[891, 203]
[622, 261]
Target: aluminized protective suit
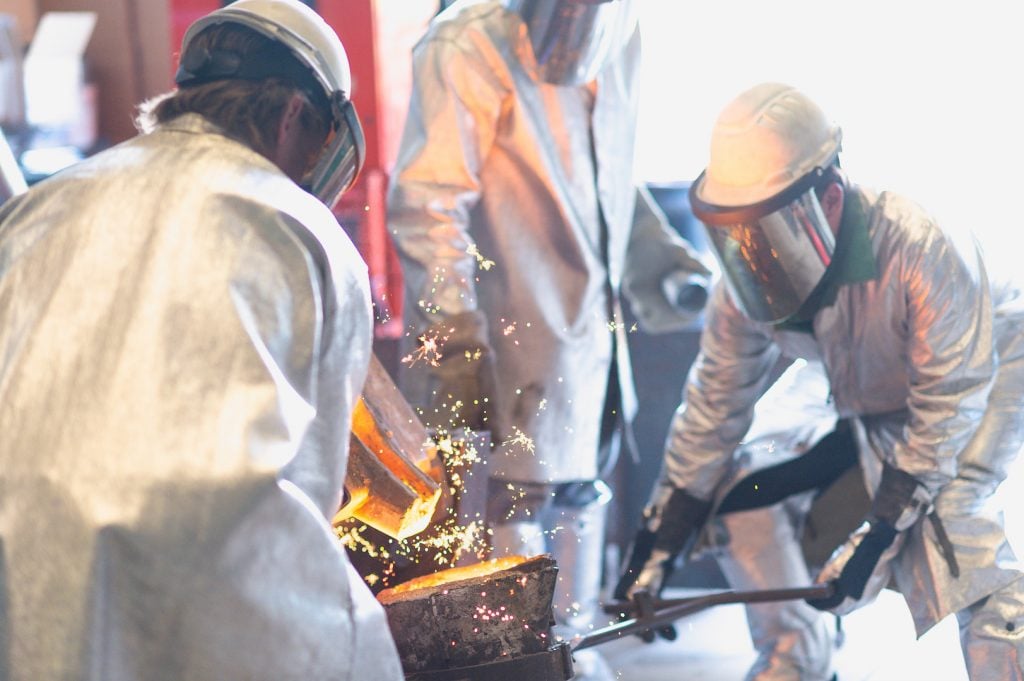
[12, 182]
[927, 358]
[495, 158]
[184, 332]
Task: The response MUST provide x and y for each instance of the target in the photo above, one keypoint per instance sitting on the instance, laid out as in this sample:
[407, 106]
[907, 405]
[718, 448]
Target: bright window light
[928, 94]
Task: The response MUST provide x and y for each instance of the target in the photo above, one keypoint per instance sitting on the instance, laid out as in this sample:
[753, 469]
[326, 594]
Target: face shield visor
[773, 253]
[339, 162]
[572, 40]
[336, 166]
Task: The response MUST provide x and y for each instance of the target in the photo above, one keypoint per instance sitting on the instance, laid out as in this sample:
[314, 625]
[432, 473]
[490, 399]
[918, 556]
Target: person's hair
[246, 110]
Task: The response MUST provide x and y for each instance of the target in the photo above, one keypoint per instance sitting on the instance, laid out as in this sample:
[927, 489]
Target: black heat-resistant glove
[862, 566]
[670, 527]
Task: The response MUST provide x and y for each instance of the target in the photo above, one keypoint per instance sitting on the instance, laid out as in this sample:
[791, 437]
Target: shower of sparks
[474, 355]
[429, 351]
[515, 494]
[444, 543]
[429, 308]
[482, 262]
[509, 330]
[634, 328]
[520, 439]
[451, 542]
[543, 405]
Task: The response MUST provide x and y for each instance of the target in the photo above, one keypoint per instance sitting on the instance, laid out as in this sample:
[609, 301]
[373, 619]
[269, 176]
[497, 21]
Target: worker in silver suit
[517, 153]
[911, 366]
[185, 330]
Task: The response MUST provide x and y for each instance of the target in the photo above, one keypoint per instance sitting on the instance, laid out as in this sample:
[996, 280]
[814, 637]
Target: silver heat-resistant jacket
[493, 157]
[928, 357]
[183, 332]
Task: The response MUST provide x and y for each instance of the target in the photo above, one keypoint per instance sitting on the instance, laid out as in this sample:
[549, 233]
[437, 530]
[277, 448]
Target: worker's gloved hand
[463, 373]
[671, 524]
[862, 567]
[666, 283]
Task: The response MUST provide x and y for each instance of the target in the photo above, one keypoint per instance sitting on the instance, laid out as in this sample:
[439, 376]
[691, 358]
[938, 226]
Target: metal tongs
[649, 613]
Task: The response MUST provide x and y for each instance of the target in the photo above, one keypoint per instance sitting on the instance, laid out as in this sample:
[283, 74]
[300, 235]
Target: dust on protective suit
[926, 356]
[185, 331]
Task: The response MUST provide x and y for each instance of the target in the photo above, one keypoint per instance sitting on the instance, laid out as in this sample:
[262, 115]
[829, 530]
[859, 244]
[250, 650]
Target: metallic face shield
[342, 157]
[573, 39]
[773, 253]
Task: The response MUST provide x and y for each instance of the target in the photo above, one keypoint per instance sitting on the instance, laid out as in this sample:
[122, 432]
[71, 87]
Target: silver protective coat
[12, 182]
[495, 159]
[183, 333]
[929, 360]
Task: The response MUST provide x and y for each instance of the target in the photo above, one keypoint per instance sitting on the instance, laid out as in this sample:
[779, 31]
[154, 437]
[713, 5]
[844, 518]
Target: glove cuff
[682, 516]
[900, 499]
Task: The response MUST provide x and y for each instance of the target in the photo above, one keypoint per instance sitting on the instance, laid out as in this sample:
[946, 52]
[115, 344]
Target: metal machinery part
[488, 621]
[651, 613]
[492, 621]
[394, 475]
[554, 664]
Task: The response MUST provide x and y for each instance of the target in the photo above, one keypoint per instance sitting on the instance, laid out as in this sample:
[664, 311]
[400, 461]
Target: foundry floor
[714, 645]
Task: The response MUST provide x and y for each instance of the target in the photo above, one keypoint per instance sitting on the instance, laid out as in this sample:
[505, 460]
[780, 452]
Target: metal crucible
[482, 614]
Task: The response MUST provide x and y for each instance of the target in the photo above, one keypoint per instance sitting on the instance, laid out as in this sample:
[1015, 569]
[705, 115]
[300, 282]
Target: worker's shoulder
[909, 229]
[896, 216]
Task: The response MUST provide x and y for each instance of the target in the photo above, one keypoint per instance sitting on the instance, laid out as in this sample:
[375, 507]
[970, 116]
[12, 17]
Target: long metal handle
[651, 613]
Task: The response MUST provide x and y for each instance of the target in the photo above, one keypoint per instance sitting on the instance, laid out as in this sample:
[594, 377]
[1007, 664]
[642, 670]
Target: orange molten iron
[394, 471]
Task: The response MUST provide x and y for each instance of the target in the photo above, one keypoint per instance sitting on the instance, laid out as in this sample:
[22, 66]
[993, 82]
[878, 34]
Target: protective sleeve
[725, 381]
[950, 353]
[459, 88]
[651, 227]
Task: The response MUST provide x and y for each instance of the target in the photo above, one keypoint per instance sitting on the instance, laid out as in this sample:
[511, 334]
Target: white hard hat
[317, 48]
[766, 139]
[294, 25]
[770, 149]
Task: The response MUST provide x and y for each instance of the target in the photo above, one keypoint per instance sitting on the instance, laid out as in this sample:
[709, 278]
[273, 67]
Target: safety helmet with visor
[770, 149]
[320, 68]
[572, 40]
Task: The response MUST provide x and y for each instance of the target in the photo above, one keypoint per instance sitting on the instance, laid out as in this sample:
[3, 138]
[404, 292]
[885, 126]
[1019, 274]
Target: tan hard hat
[767, 138]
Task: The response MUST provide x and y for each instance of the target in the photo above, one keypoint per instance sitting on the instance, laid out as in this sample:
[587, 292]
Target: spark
[482, 262]
[614, 326]
[429, 308]
[429, 351]
[521, 439]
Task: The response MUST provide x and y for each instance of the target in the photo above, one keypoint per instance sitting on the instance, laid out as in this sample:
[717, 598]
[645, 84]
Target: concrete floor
[714, 645]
